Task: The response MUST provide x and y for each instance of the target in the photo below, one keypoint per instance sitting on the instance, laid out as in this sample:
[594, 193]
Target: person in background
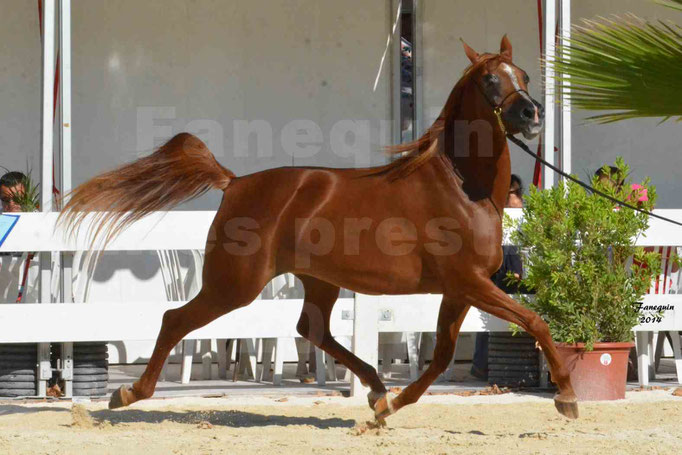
[511, 262]
[515, 196]
[608, 175]
[11, 185]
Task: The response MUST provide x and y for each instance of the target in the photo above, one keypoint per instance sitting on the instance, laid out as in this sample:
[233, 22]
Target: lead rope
[524, 147]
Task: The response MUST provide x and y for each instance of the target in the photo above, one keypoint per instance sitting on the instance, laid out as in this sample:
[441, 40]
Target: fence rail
[362, 317]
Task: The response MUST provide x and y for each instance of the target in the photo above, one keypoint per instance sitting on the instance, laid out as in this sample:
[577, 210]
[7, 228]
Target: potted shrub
[588, 275]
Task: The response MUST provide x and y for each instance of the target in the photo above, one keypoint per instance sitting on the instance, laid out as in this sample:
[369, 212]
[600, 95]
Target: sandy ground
[646, 422]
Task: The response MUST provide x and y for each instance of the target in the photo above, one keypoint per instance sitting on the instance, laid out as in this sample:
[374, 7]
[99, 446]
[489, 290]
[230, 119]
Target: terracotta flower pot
[600, 374]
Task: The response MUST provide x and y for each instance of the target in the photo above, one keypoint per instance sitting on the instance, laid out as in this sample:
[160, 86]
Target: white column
[47, 151]
[548, 152]
[365, 336]
[65, 130]
[565, 147]
[65, 111]
[47, 140]
[66, 259]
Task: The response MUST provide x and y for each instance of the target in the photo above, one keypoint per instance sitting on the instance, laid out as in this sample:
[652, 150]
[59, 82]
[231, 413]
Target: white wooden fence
[362, 317]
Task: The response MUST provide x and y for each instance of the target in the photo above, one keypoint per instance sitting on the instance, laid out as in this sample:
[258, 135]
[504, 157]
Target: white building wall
[20, 85]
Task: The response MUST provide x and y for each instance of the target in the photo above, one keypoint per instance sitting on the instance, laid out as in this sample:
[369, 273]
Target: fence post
[365, 336]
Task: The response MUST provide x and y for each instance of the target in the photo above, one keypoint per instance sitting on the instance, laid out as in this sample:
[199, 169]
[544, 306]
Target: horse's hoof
[121, 397]
[373, 397]
[566, 407]
[384, 407]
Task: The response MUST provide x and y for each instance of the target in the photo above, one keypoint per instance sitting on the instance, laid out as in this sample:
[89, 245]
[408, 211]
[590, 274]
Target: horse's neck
[485, 167]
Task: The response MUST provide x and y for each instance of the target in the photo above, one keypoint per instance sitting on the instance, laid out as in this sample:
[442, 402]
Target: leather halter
[497, 108]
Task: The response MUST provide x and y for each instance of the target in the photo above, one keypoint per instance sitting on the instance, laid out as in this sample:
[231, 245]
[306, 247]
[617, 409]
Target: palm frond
[674, 4]
[626, 66]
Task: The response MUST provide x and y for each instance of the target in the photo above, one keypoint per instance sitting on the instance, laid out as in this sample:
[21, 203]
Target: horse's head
[503, 87]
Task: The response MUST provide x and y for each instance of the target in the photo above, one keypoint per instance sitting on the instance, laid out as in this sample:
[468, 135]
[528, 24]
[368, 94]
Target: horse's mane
[416, 153]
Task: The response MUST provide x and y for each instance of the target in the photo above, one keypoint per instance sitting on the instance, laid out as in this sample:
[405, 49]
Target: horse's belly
[371, 275]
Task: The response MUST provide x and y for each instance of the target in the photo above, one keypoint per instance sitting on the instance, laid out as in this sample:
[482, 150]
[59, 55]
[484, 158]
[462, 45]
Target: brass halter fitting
[497, 108]
[498, 113]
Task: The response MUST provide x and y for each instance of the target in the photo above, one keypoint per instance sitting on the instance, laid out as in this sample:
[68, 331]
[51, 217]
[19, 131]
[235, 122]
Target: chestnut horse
[429, 222]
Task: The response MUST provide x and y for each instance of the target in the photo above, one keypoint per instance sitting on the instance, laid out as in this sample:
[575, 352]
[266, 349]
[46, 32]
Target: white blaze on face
[512, 75]
[515, 82]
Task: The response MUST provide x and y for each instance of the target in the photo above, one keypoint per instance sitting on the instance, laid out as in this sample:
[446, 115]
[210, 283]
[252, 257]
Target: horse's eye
[526, 79]
[491, 79]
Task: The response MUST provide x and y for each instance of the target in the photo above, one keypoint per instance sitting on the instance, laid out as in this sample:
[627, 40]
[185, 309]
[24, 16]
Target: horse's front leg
[484, 295]
[450, 317]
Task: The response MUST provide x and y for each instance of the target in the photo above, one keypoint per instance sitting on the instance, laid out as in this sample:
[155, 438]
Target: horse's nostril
[528, 113]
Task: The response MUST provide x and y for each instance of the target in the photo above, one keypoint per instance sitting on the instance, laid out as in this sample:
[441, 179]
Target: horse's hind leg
[313, 325]
[176, 324]
[450, 318]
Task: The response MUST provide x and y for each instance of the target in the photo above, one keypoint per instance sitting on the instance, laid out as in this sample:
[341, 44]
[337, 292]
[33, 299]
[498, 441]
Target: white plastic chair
[179, 287]
[12, 269]
[667, 282]
[175, 286]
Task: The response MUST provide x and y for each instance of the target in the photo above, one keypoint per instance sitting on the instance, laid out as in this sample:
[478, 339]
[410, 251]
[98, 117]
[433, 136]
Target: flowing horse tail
[180, 170]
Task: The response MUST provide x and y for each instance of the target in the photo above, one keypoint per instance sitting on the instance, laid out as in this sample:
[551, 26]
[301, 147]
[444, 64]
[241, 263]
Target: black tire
[513, 376]
[96, 365]
[14, 366]
[89, 350]
[17, 378]
[510, 347]
[89, 346]
[11, 358]
[519, 370]
[85, 371]
[512, 361]
[18, 349]
[18, 385]
[90, 385]
[513, 354]
[505, 342]
[24, 371]
[98, 356]
[90, 378]
[18, 392]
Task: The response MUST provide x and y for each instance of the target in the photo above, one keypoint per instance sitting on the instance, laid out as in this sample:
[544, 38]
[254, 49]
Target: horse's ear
[505, 47]
[472, 54]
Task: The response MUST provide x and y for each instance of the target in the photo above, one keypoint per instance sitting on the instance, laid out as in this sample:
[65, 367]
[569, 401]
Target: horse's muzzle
[530, 116]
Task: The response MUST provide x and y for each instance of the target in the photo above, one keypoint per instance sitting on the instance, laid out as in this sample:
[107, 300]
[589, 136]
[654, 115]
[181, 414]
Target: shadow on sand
[7, 409]
[235, 419]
